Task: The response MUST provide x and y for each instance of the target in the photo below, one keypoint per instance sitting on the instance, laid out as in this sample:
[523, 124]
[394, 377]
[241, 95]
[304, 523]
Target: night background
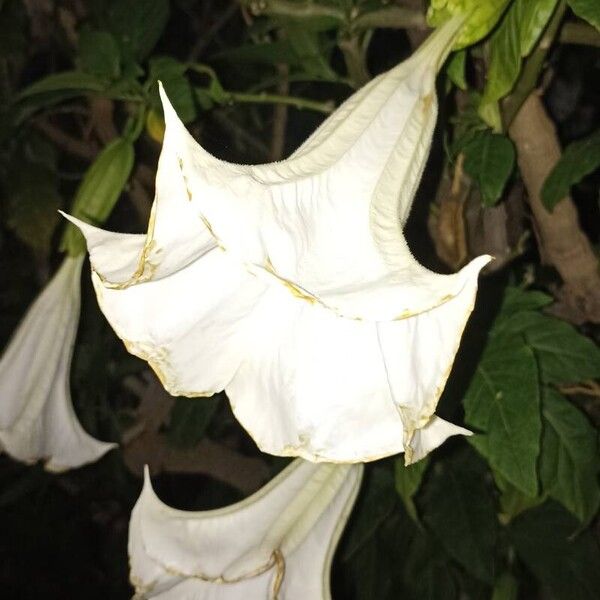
[251, 79]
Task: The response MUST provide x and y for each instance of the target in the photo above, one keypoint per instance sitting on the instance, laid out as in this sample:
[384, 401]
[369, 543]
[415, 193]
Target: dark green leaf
[375, 503]
[506, 588]
[408, 480]
[32, 194]
[456, 69]
[568, 564]
[33, 210]
[564, 355]
[65, 81]
[578, 160]
[588, 10]
[512, 500]
[489, 159]
[99, 54]
[190, 417]
[172, 75]
[503, 402]
[516, 300]
[311, 54]
[569, 460]
[459, 510]
[139, 24]
[427, 572]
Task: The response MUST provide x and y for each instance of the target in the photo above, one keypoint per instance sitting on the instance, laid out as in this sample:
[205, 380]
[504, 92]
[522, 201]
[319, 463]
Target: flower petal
[37, 420]
[191, 326]
[332, 389]
[311, 221]
[429, 437]
[287, 531]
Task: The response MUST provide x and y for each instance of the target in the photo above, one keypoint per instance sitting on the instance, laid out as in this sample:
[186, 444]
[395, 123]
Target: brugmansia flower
[276, 544]
[291, 286]
[37, 420]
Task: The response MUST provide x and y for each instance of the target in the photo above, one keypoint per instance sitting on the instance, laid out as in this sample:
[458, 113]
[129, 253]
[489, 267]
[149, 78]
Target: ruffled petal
[282, 537]
[311, 220]
[291, 284]
[332, 389]
[192, 326]
[37, 420]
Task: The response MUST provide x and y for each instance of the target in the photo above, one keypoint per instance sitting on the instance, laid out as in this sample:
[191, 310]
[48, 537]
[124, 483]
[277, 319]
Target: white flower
[37, 420]
[276, 544]
[291, 286]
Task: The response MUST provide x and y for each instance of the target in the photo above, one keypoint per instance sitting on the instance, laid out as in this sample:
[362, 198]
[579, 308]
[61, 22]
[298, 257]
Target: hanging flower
[291, 286]
[37, 420]
[278, 543]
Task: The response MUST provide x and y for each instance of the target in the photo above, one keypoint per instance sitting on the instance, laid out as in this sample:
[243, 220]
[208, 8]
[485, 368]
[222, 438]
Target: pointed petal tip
[476, 265]
[168, 110]
[81, 225]
[430, 437]
[98, 451]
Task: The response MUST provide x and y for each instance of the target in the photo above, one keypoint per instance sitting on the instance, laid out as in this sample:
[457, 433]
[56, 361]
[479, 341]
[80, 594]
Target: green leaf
[564, 355]
[482, 18]
[533, 18]
[33, 202]
[311, 54]
[407, 481]
[578, 160]
[503, 402]
[100, 188]
[506, 588]
[138, 24]
[99, 54]
[516, 300]
[569, 460]
[512, 500]
[427, 572]
[456, 69]
[588, 10]
[519, 30]
[489, 159]
[172, 75]
[569, 565]
[375, 503]
[189, 420]
[505, 59]
[65, 81]
[459, 510]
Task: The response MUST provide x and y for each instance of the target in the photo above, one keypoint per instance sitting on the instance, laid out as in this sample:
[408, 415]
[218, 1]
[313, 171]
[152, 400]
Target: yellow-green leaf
[482, 16]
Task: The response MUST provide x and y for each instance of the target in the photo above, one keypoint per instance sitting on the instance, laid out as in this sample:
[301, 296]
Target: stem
[391, 17]
[299, 103]
[354, 58]
[280, 117]
[295, 10]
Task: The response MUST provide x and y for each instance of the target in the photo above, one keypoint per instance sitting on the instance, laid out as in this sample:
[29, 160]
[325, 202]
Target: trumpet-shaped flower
[276, 544]
[291, 286]
[37, 420]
